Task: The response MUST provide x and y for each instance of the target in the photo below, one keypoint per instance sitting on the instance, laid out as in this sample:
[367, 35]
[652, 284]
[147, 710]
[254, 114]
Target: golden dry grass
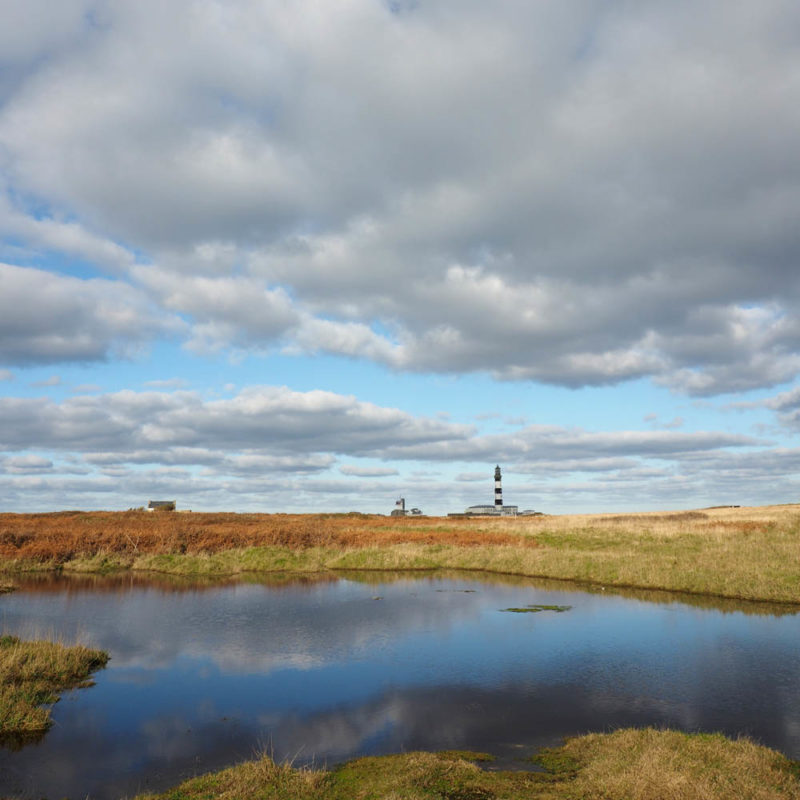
[667, 765]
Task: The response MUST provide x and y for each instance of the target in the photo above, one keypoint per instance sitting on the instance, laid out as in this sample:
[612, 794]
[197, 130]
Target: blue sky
[313, 256]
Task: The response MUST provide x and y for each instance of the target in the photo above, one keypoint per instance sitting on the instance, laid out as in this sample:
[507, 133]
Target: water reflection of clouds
[173, 745]
[240, 632]
[199, 680]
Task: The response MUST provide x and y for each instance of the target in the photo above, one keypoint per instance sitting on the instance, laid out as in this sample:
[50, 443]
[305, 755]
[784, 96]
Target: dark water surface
[202, 676]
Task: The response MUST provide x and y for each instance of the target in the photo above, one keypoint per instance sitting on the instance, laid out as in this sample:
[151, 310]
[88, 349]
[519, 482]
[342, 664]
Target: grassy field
[32, 674]
[744, 553]
[625, 765]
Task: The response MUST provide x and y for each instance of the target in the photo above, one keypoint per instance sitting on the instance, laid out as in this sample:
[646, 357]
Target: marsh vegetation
[625, 765]
[747, 553]
[32, 675]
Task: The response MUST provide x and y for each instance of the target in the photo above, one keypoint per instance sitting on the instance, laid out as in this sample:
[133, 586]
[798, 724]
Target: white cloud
[183, 428]
[86, 388]
[580, 194]
[25, 464]
[227, 311]
[63, 237]
[274, 420]
[786, 405]
[577, 194]
[367, 472]
[271, 447]
[168, 383]
[47, 318]
[53, 380]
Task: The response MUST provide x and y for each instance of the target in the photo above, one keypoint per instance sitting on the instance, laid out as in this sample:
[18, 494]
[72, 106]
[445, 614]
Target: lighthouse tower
[498, 490]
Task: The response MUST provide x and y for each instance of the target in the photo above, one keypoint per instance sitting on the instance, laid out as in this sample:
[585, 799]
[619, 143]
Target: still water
[320, 671]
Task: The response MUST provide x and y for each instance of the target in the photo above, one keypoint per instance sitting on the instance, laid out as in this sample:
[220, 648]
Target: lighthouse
[496, 510]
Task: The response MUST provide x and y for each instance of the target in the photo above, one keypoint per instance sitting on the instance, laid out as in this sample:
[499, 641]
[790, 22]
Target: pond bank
[738, 553]
[625, 765]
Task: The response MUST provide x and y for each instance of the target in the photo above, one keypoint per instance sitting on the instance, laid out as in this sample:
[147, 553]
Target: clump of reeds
[32, 674]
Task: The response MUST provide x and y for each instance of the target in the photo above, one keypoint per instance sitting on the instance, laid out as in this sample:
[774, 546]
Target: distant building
[400, 510]
[162, 505]
[493, 511]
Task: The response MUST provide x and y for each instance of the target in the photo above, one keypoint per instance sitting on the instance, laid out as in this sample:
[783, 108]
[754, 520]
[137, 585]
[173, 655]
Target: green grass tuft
[32, 674]
[625, 765]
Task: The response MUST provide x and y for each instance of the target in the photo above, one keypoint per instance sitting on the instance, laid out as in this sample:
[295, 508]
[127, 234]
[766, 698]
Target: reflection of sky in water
[200, 679]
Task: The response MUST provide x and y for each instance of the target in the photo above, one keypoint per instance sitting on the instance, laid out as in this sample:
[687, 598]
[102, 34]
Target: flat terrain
[744, 553]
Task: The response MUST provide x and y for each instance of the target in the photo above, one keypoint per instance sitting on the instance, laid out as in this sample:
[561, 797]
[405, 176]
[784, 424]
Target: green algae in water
[536, 608]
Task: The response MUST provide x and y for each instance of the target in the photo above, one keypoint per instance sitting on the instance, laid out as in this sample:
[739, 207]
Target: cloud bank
[529, 195]
[576, 194]
[271, 448]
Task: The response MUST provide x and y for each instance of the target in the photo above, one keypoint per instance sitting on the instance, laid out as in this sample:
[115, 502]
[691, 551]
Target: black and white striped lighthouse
[498, 489]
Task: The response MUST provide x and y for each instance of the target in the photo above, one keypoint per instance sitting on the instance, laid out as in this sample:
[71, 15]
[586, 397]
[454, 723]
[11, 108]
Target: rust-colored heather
[66, 535]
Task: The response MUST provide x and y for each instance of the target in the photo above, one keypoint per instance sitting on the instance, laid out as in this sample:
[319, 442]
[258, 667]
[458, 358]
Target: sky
[286, 256]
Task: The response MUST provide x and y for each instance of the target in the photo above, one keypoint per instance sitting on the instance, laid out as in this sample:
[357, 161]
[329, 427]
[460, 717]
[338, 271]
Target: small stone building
[162, 505]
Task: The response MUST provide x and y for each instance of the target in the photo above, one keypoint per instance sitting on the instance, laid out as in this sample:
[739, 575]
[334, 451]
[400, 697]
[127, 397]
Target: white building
[493, 511]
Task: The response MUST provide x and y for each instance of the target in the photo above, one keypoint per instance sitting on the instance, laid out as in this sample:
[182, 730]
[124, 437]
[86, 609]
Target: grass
[739, 553]
[32, 674]
[628, 764]
[536, 608]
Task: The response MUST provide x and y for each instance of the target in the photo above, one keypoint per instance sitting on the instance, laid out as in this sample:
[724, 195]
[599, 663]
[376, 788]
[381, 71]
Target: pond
[321, 670]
